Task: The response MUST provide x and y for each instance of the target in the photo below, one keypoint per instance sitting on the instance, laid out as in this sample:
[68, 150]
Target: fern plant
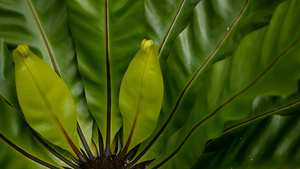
[149, 84]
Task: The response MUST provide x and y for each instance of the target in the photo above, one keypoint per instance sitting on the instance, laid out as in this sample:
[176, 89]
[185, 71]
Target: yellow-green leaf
[141, 95]
[45, 100]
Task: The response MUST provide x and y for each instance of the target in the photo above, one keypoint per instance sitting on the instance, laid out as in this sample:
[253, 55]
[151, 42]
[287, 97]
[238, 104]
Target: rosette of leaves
[216, 87]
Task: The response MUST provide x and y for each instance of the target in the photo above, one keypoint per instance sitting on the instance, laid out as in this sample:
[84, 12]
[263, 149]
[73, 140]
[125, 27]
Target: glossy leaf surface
[43, 26]
[13, 127]
[266, 71]
[265, 134]
[107, 34]
[271, 143]
[165, 20]
[141, 95]
[12, 123]
[224, 64]
[45, 99]
[186, 71]
[263, 107]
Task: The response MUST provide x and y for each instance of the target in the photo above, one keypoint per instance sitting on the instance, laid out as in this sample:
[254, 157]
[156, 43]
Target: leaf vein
[44, 37]
[226, 103]
[171, 27]
[187, 87]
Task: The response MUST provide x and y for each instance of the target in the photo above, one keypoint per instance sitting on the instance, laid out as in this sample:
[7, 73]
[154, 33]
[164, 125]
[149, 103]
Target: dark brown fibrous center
[103, 163]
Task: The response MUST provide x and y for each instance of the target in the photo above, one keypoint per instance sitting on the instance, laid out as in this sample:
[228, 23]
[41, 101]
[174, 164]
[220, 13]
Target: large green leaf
[212, 35]
[107, 34]
[262, 139]
[271, 143]
[212, 75]
[141, 95]
[262, 107]
[43, 26]
[45, 100]
[13, 127]
[266, 105]
[229, 86]
[7, 81]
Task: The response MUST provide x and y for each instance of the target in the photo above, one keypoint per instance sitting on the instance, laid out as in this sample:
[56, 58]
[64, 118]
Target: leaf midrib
[24, 153]
[226, 103]
[189, 84]
[108, 78]
[139, 105]
[50, 107]
[252, 120]
[7, 102]
[171, 27]
[45, 40]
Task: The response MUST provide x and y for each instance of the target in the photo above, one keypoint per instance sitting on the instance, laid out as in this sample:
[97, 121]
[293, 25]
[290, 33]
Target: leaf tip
[23, 50]
[148, 45]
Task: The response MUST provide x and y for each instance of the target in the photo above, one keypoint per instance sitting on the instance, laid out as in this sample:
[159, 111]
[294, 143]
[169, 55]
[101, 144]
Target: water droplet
[275, 109]
[228, 28]
[251, 159]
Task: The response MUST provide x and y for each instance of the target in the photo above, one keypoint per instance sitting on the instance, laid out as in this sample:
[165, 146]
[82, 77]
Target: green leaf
[45, 100]
[9, 129]
[264, 71]
[222, 66]
[13, 127]
[222, 25]
[43, 26]
[237, 135]
[8, 159]
[141, 95]
[262, 107]
[107, 34]
[165, 20]
[7, 78]
[270, 143]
